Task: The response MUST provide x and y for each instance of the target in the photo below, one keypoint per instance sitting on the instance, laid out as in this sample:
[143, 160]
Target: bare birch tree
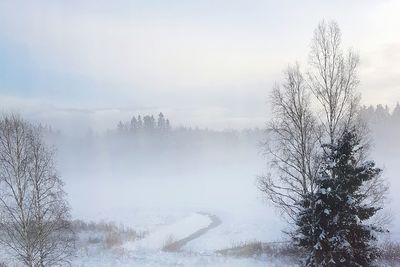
[35, 224]
[16, 209]
[333, 80]
[53, 232]
[292, 144]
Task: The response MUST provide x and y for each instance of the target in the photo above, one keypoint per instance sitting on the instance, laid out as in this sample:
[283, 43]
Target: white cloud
[144, 53]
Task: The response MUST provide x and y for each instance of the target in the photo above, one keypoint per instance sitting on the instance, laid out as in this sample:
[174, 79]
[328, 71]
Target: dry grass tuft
[170, 245]
[283, 250]
[112, 239]
[106, 234]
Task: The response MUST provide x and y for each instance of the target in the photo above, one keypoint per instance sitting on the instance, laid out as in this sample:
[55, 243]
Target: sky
[80, 64]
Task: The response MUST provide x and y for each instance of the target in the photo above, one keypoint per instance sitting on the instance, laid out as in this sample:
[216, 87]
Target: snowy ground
[179, 230]
[164, 259]
[148, 251]
[163, 198]
[144, 197]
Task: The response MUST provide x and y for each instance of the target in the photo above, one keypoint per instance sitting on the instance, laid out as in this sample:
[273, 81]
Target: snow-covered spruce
[332, 225]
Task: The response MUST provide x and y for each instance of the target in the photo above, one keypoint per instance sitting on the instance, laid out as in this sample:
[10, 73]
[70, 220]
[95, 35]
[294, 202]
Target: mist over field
[187, 133]
[179, 171]
[141, 179]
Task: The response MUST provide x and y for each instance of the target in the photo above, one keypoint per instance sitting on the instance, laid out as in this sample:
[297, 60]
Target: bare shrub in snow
[105, 234]
[112, 239]
[282, 250]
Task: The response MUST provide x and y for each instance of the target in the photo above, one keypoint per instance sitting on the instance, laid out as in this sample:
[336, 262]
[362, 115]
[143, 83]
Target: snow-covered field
[165, 259]
[164, 201]
[166, 196]
[165, 234]
[148, 250]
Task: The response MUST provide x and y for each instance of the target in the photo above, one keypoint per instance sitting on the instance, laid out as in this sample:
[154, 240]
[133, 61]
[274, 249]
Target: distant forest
[147, 124]
[146, 138]
[149, 135]
[381, 114]
[383, 123]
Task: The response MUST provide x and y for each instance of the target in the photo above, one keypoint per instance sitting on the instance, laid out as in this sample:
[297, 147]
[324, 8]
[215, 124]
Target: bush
[112, 239]
[107, 234]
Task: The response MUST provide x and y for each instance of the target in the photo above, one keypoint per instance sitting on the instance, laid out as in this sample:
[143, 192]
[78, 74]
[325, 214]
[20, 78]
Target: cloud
[167, 55]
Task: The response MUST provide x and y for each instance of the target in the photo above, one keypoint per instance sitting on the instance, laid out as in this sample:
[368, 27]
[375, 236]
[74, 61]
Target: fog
[143, 179]
[149, 177]
[158, 112]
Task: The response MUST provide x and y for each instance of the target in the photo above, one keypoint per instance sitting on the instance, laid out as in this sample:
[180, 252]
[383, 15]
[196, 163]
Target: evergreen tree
[120, 127]
[396, 112]
[332, 226]
[394, 126]
[152, 122]
[149, 123]
[161, 122]
[381, 113]
[139, 122]
[134, 124]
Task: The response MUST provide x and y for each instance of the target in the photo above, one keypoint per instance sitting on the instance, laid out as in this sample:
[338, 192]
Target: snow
[148, 251]
[150, 202]
[173, 232]
[238, 228]
[164, 202]
[163, 199]
[165, 259]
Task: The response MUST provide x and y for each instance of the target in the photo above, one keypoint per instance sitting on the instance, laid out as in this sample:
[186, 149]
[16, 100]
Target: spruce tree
[396, 113]
[333, 226]
[134, 124]
[161, 122]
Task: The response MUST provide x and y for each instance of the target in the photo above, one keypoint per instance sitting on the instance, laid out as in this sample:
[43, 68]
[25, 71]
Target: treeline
[379, 118]
[384, 125]
[147, 123]
[381, 114]
[143, 128]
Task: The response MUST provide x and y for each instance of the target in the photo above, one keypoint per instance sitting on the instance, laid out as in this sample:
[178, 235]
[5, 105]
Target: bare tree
[309, 111]
[16, 209]
[54, 236]
[292, 144]
[35, 224]
[333, 79]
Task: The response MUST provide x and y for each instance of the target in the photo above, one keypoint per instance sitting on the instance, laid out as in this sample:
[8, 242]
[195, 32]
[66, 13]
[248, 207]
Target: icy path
[178, 234]
[215, 221]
